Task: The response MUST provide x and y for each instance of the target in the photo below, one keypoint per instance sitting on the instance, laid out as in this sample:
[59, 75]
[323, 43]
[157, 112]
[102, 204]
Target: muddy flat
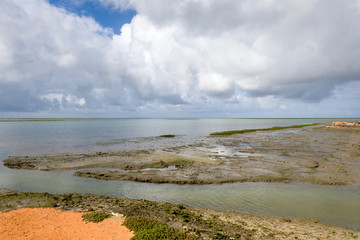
[313, 154]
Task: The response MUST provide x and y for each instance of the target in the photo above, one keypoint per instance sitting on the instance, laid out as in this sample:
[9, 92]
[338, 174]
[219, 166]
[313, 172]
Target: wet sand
[313, 154]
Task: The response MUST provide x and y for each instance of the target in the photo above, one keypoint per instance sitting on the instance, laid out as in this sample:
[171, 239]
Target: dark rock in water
[20, 162]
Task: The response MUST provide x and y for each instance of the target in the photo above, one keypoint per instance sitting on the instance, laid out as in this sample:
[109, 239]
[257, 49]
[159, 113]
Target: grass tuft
[95, 217]
[167, 136]
[259, 129]
[149, 229]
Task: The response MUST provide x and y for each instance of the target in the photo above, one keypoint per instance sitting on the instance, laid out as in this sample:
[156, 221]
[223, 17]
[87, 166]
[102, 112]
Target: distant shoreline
[109, 118]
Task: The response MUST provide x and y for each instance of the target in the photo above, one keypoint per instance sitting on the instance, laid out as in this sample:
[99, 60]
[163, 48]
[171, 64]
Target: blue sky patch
[105, 16]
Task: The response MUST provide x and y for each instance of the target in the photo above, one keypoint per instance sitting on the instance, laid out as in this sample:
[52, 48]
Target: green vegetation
[203, 227]
[148, 229]
[95, 217]
[220, 236]
[260, 129]
[30, 200]
[180, 212]
[182, 119]
[167, 136]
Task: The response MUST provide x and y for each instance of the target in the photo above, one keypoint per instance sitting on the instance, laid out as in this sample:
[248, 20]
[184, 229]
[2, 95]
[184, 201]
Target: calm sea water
[338, 205]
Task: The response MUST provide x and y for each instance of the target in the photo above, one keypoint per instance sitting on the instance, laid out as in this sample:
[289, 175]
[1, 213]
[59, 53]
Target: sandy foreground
[51, 223]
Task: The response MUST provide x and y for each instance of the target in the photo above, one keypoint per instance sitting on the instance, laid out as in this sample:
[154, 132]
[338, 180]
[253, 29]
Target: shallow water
[332, 204]
[339, 205]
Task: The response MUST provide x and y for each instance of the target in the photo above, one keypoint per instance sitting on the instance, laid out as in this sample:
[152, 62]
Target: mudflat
[313, 154]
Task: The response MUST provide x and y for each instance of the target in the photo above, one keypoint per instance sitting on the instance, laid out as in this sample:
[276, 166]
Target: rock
[354, 124]
[5, 191]
[43, 168]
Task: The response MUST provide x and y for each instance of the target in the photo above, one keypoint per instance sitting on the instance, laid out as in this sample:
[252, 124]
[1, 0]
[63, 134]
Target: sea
[337, 205]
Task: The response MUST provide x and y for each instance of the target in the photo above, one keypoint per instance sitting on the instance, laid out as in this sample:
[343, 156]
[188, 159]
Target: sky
[180, 58]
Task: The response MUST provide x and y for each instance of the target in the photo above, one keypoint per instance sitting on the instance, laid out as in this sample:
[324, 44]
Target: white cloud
[50, 49]
[65, 60]
[215, 84]
[271, 102]
[265, 47]
[186, 56]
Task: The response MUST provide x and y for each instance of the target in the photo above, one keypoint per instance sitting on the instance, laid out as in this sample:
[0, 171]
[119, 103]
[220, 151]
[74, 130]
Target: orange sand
[51, 223]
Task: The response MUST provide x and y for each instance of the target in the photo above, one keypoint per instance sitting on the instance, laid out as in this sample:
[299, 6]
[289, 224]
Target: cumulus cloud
[267, 47]
[49, 51]
[186, 56]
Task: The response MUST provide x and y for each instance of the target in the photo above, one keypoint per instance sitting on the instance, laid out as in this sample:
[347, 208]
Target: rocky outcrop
[354, 124]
